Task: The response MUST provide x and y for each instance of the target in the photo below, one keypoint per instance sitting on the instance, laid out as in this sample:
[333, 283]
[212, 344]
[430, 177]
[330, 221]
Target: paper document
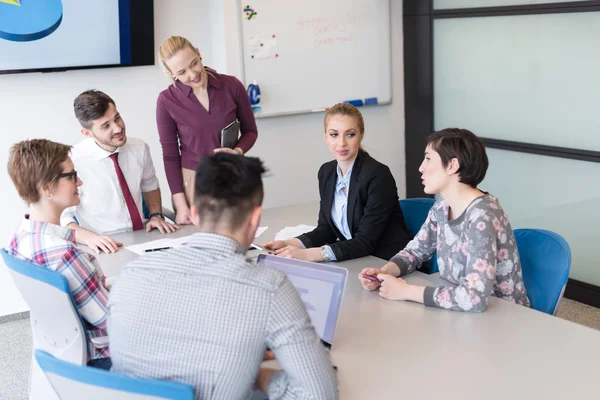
[290, 232]
[260, 231]
[262, 46]
[157, 244]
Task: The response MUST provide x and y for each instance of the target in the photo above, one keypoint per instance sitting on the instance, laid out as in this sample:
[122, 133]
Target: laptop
[321, 288]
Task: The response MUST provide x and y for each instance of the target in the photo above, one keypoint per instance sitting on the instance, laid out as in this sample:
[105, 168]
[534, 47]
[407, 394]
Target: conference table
[401, 350]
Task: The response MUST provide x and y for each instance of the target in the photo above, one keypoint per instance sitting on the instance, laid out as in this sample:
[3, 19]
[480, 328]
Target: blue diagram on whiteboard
[28, 20]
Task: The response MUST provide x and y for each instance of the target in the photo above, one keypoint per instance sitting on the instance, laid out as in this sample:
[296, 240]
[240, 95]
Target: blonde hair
[172, 45]
[345, 109]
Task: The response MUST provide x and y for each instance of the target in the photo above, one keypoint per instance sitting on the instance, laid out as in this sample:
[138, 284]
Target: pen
[157, 249]
[370, 278]
[257, 247]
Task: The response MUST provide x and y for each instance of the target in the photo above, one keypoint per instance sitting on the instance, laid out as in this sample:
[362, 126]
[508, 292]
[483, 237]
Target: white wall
[40, 106]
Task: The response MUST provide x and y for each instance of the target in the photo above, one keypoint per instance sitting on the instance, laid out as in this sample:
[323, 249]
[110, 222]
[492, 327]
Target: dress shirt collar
[212, 82]
[45, 228]
[215, 241]
[96, 152]
[343, 181]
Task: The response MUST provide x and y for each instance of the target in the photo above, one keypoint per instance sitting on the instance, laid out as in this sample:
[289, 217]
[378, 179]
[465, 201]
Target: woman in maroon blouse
[190, 115]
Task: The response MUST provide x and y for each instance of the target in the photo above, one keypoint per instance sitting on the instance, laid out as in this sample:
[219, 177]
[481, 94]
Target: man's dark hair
[228, 187]
[91, 105]
[467, 148]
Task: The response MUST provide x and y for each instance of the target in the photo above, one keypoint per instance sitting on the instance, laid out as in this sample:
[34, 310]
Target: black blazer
[374, 216]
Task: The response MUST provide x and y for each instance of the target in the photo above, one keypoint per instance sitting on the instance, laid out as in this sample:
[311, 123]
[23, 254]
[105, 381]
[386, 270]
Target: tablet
[230, 135]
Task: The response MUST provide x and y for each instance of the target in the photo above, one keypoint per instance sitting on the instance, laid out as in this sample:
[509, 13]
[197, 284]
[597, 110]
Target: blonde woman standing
[190, 115]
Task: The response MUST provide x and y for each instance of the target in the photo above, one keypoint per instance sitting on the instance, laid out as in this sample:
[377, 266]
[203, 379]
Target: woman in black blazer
[359, 213]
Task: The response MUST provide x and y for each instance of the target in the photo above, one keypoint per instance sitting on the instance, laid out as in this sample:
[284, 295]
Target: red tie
[133, 211]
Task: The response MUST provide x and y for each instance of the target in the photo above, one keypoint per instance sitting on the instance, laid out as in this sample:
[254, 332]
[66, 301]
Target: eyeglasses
[72, 174]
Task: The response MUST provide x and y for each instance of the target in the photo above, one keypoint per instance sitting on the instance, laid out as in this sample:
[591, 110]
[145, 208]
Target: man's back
[203, 315]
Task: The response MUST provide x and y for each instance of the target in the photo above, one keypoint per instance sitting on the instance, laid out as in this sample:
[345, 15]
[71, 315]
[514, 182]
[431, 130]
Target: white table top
[391, 350]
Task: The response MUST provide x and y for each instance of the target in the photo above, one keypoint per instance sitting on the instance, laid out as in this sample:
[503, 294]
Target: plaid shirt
[202, 314]
[53, 247]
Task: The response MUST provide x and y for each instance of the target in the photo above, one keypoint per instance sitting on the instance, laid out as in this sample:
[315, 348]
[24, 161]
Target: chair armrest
[100, 342]
[168, 214]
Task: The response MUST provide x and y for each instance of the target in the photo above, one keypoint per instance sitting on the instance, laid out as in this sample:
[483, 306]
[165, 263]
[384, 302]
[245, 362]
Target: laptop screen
[320, 286]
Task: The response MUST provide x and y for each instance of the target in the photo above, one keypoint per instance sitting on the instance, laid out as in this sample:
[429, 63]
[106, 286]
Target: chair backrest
[415, 213]
[546, 262]
[55, 322]
[75, 382]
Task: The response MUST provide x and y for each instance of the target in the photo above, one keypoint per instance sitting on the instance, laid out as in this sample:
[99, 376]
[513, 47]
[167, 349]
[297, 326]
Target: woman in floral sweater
[476, 247]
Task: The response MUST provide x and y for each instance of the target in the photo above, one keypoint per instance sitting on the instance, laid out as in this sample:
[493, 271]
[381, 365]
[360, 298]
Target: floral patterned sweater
[477, 251]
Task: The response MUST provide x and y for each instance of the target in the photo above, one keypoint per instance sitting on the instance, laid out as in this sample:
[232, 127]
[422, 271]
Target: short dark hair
[467, 148]
[35, 163]
[91, 105]
[228, 187]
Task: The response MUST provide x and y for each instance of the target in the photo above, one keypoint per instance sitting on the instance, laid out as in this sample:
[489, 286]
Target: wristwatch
[325, 254]
[158, 214]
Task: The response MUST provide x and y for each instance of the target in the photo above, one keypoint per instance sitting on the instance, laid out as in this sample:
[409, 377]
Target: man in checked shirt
[203, 314]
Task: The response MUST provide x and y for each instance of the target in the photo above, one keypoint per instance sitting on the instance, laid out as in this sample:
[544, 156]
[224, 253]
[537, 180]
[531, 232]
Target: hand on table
[398, 289]
[313, 254]
[183, 216]
[280, 244]
[367, 284]
[98, 243]
[392, 288]
[160, 224]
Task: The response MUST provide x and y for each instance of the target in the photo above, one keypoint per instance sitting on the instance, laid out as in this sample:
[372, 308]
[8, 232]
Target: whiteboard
[307, 56]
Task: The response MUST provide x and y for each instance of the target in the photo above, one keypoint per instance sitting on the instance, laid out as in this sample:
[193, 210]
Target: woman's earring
[50, 196]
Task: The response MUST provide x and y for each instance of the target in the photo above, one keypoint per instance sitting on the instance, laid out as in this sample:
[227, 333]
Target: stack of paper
[290, 232]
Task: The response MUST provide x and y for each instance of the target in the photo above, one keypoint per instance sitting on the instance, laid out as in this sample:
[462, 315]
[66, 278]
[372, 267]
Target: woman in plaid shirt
[46, 180]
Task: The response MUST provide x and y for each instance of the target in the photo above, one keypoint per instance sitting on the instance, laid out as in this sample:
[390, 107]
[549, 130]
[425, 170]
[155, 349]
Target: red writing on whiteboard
[325, 41]
[328, 25]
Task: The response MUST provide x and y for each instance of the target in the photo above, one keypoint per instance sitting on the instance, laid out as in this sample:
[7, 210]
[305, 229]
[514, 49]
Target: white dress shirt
[102, 208]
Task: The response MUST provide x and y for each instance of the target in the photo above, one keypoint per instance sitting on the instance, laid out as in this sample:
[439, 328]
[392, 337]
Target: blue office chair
[145, 209]
[56, 325]
[75, 382]
[415, 213]
[546, 262]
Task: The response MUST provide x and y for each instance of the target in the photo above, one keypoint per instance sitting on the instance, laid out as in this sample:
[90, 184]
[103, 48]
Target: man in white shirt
[117, 172]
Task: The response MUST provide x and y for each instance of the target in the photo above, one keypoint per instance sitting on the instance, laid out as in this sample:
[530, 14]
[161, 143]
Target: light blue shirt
[339, 208]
